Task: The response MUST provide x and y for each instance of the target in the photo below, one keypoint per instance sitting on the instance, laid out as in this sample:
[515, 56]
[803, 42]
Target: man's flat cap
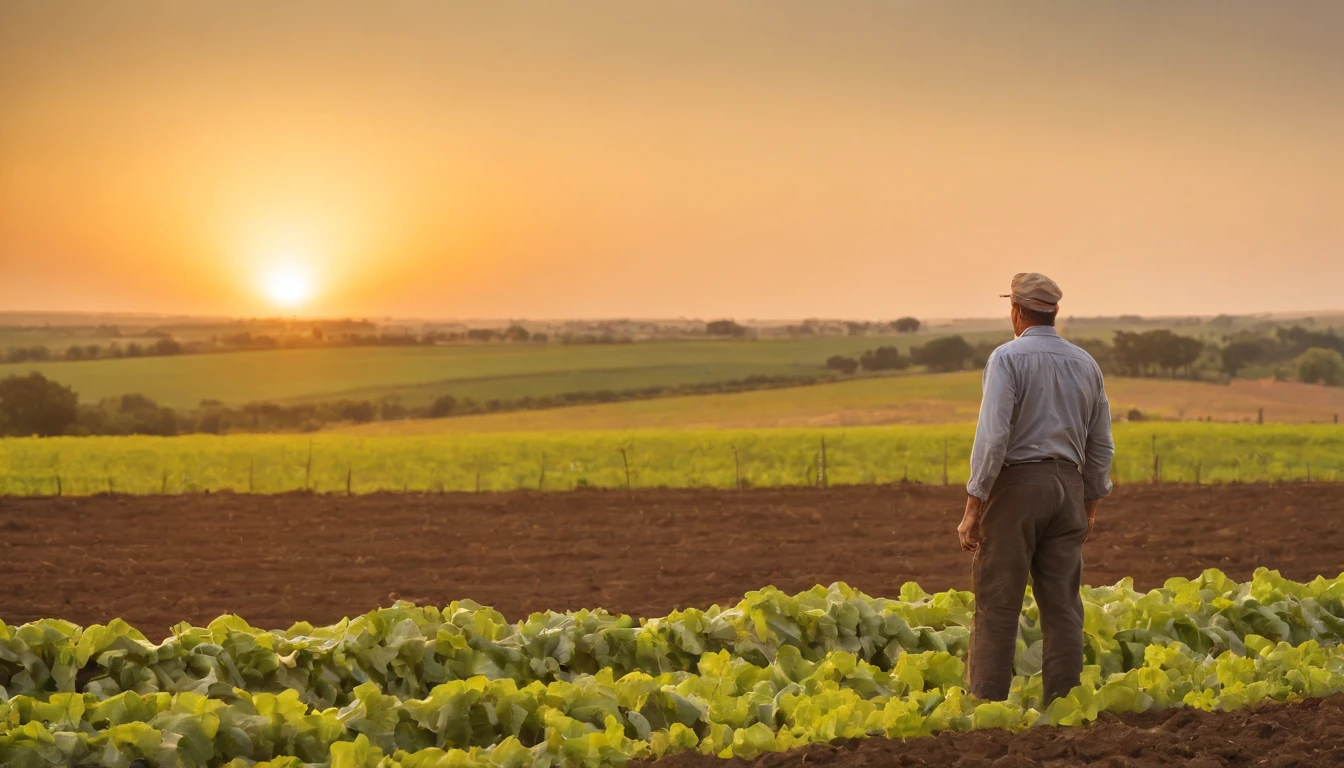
[1035, 291]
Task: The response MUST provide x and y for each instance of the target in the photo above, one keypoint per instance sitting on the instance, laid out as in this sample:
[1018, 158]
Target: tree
[1240, 354]
[33, 405]
[1175, 352]
[516, 333]
[906, 325]
[725, 328]
[1298, 339]
[1140, 354]
[1321, 366]
[24, 354]
[842, 364]
[444, 405]
[136, 414]
[166, 346]
[943, 354]
[883, 359]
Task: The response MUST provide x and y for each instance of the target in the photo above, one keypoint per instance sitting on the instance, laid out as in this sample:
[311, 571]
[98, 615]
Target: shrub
[944, 354]
[1321, 366]
[846, 365]
[883, 359]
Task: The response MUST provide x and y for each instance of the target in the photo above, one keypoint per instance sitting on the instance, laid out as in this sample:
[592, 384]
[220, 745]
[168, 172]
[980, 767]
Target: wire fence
[663, 459]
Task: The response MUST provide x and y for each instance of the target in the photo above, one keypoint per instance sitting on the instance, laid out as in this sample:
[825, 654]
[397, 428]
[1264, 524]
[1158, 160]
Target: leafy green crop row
[458, 687]
[656, 458]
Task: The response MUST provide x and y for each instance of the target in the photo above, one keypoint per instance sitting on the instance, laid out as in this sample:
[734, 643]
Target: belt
[1051, 460]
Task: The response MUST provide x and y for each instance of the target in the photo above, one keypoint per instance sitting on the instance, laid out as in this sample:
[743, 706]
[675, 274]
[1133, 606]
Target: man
[1039, 467]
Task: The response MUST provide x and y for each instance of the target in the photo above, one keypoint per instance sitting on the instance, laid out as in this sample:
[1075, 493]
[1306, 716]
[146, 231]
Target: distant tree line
[244, 341]
[32, 404]
[852, 328]
[1314, 357]
[940, 355]
[1291, 352]
[352, 333]
[38, 353]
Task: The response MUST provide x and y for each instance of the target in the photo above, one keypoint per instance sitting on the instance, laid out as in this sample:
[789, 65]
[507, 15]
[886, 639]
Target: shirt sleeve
[1100, 450]
[994, 427]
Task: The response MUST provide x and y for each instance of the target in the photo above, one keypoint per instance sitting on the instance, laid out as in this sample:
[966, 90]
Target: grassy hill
[914, 399]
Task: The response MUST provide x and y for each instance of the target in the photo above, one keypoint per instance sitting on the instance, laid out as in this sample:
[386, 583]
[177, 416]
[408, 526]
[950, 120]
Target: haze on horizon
[761, 158]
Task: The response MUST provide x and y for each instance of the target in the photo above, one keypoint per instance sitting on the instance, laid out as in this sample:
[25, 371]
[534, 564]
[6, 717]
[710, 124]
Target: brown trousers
[1033, 526]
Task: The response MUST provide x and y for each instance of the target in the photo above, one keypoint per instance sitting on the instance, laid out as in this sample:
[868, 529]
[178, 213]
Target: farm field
[278, 559]
[155, 561]
[908, 399]
[334, 463]
[418, 374]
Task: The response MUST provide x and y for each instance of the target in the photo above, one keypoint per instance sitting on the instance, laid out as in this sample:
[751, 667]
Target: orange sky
[775, 158]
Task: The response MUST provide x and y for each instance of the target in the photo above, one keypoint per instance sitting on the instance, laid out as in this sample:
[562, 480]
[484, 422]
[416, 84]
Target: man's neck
[1038, 330]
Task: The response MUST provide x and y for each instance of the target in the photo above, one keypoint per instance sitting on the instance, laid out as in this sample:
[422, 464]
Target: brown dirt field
[1308, 733]
[155, 561]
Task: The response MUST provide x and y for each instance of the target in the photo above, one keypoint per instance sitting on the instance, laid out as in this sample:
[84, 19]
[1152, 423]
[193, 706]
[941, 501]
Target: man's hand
[970, 531]
[1091, 506]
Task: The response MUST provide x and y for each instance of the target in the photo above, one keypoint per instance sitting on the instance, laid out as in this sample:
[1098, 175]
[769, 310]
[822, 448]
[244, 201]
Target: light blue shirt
[1043, 398]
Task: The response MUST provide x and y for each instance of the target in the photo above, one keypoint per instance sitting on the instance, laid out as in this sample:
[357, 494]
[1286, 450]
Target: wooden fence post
[625, 460]
[541, 481]
[944, 461]
[1157, 463]
[737, 470]
[822, 473]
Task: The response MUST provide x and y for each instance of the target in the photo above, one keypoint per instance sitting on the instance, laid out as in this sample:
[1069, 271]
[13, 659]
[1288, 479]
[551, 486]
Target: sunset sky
[771, 159]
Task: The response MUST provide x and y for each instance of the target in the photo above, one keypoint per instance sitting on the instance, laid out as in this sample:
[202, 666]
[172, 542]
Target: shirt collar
[1040, 330]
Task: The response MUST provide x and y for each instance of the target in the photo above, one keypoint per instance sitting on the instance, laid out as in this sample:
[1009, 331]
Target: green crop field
[656, 458]
[419, 374]
[906, 399]
[460, 687]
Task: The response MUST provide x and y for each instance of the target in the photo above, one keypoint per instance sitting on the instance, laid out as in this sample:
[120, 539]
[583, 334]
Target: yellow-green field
[914, 399]
[672, 458]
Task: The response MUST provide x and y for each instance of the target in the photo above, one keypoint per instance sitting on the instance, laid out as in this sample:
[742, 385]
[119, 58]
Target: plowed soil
[156, 561]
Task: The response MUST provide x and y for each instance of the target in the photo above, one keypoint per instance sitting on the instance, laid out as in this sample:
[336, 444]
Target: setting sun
[288, 285]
